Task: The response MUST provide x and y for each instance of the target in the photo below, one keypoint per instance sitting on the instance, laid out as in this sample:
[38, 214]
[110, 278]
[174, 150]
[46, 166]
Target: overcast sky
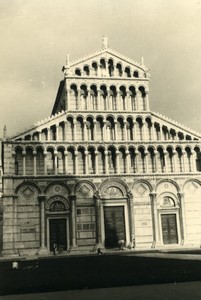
[35, 36]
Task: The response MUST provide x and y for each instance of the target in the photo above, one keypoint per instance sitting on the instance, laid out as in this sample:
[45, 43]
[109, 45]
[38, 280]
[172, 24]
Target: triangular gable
[108, 53]
[164, 121]
[39, 126]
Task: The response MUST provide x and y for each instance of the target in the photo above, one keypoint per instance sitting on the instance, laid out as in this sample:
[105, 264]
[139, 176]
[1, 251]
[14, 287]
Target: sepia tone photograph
[100, 142]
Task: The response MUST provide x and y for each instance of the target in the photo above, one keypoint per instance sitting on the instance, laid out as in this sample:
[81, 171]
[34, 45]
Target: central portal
[58, 233]
[114, 225]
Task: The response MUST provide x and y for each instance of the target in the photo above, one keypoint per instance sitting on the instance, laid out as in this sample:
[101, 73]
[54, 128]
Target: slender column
[146, 161]
[88, 100]
[98, 219]
[131, 219]
[66, 161]
[104, 131]
[65, 131]
[134, 131]
[115, 131]
[183, 160]
[96, 162]
[127, 162]
[143, 130]
[68, 106]
[106, 161]
[98, 100]
[108, 104]
[118, 100]
[182, 218]
[34, 162]
[86, 156]
[156, 160]
[147, 101]
[117, 161]
[165, 161]
[24, 163]
[55, 162]
[154, 219]
[73, 220]
[193, 161]
[128, 101]
[75, 130]
[76, 165]
[174, 161]
[86, 138]
[153, 136]
[160, 133]
[79, 99]
[136, 161]
[57, 132]
[42, 224]
[94, 135]
[137, 97]
[45, 162]
[39, 135]
[125, 131]
[48, 134]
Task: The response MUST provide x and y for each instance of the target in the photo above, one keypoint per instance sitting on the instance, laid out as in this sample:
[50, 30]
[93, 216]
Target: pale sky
[36, 35]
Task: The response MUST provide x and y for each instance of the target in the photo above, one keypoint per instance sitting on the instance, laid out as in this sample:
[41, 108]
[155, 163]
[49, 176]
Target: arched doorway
[57, 216]
[114, 215]
[169, 216]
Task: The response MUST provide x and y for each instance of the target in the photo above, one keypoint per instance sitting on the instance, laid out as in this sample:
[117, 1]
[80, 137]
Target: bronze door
[169, 228]
[58, 233]
[114, 225]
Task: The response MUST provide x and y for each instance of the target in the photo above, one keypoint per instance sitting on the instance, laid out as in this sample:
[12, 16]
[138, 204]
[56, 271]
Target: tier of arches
[108, 68]
[109, 128]
[104, 97]
[105, 160]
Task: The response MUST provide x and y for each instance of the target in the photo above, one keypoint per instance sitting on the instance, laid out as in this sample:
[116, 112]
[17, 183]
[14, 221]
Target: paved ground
[91, 272]
[180, 291]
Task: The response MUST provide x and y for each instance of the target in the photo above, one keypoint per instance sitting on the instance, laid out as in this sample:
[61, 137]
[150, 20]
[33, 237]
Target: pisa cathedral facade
[102, 168]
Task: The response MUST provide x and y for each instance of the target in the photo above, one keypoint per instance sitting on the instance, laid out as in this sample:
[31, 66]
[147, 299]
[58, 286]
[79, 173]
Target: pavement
[178, 291]
[187, 253]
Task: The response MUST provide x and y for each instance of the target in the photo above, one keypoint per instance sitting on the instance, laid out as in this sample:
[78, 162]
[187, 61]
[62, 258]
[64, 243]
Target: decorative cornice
[175, 123]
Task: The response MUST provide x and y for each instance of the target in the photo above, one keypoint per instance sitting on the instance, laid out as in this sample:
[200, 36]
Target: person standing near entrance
[55, 248]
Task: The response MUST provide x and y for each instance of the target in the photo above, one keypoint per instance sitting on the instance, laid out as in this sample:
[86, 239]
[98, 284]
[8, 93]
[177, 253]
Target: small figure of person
[15, 265]
[55, 248]
[99, 251]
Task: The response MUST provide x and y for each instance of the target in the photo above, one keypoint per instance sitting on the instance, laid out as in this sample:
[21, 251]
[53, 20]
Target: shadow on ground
[87, 272]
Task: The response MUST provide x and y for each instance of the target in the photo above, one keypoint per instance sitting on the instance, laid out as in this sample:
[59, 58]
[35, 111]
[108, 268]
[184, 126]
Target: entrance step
[83, 249]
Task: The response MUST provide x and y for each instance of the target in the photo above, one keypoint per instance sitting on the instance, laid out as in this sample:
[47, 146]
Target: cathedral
[103, 170]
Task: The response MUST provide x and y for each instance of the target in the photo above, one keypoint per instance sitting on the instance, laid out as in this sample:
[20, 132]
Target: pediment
[111, 57]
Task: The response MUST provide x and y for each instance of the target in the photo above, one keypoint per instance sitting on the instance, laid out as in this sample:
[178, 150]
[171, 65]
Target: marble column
[34, 162]
[98, 220]
[153, 196]
[117, 161]
[24, 163]
[106, 162]
[193, 161]
[55, 162]
[66, 161]
[182, 217]
[96, 162]
[131, 219]
[86, 155]
[73, 221]
[43, 247]
[45, 161]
